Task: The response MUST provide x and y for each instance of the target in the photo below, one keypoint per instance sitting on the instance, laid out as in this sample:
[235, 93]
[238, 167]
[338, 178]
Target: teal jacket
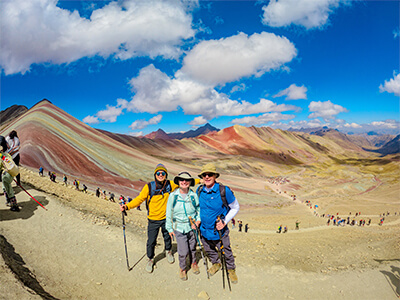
[179, 210]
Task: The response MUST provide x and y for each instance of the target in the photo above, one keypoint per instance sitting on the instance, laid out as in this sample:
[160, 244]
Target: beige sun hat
[184, 175]
[209, 168]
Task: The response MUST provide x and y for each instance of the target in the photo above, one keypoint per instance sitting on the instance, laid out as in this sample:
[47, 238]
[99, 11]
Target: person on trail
[41, 171]
[84, 188]
[112, 197]
[279, 229]
[13, 149]
[98, 192]
[182, 204]
[297, 224]
[155, 193]
[218, 205]
[240, 225]
[246, 227]
[8, 175]
[65, 180]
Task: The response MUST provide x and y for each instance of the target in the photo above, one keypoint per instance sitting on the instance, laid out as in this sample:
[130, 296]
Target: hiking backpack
[154, 191]
[222, 191]
[9, 164]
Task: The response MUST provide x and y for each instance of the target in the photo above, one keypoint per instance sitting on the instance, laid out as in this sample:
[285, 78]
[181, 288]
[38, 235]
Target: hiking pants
[152, 232]
[6, 181]
[16, 161]
[186, 245]
[212, 248]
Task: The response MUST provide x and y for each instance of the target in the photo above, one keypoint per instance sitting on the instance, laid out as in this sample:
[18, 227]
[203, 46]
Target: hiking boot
[183, 275]
[195, 268]
[232, 276]
[14, 208]
[214, 269]
[170, 257]
[150, 266]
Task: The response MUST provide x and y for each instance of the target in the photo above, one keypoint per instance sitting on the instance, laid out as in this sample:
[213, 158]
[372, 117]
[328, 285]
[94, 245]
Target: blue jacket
[211, 207]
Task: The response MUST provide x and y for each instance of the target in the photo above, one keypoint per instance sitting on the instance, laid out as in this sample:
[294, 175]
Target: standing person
[240, 225]
[41, 171]
[65, 180]
[98, 192]
[216, 201]
[8, 175]
[155, 193]
[13, 149]
[297, 224]
[182, 204]
[246, 227]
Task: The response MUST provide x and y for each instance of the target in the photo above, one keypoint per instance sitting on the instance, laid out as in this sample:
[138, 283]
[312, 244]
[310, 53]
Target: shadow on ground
[16, 264]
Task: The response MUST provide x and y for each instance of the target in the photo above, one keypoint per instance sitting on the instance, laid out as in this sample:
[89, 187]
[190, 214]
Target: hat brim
[176, 180]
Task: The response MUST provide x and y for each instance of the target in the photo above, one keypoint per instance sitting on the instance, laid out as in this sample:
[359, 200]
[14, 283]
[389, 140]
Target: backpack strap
[154, 191]
[222, 191]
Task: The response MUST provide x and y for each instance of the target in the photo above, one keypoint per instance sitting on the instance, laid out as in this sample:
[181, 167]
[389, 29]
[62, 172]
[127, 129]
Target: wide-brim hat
[184, 175]
[208, 168]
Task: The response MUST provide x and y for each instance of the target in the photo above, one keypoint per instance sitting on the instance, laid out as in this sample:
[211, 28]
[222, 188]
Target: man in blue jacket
[216, 201]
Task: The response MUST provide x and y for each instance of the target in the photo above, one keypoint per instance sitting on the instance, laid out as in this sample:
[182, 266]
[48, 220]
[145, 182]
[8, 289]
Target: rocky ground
[75, 248]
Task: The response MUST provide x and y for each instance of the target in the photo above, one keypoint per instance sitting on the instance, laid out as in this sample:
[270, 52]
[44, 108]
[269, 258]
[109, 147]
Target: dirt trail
[72, 255]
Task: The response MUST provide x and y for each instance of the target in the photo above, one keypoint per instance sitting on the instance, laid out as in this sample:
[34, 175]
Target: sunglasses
[161, 173]
[182, 179]
[208, 174]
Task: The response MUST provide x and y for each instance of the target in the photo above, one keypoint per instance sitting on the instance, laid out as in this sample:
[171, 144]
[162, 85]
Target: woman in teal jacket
[182, 204]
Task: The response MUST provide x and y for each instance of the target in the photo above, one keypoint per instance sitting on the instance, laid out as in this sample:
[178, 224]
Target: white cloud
[111, 113]
[194, 98]
[316, 123]
[38, 31]
[198, 121]
[237, 88]
[139, 133]
[352, 125]
[91, 120]
[326, 110]
[396, 33]
[140, 124]
[293, 92]
[391, 86]
[216, 62]
[263, 119]
[307, 13]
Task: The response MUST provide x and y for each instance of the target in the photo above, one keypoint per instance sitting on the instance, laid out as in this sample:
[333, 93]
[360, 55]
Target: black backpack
[154, 191]
[222, 191]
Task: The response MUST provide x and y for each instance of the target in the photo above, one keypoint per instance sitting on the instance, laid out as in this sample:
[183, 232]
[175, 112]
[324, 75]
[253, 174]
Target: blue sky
[135, 66]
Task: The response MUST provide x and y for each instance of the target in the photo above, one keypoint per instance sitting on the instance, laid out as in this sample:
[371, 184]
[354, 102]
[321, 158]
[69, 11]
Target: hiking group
[192, 218]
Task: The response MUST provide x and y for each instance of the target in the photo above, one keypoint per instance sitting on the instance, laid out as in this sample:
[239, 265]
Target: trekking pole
[223, 260]
[196, 233]
[30, 195]
[126, 249]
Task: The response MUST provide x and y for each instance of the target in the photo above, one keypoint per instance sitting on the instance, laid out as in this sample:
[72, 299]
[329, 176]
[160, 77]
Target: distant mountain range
[55, 140]
[11, 113]
[161, 134]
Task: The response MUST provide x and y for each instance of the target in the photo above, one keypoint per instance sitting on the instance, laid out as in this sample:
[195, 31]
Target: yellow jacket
[158, 204]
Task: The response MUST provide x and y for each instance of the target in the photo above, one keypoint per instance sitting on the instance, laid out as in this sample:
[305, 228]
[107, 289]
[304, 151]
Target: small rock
[203, 295]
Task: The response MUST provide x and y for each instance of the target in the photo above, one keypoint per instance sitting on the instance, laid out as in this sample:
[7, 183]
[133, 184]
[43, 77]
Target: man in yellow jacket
[155, 194]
